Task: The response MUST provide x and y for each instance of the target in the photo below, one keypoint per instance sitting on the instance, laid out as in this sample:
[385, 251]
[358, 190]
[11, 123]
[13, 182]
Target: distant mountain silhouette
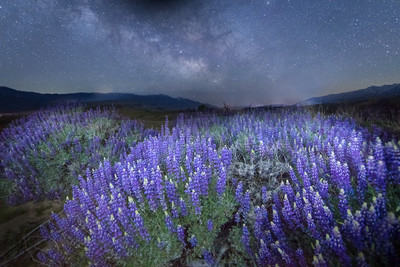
[12, 100]
[370, 93]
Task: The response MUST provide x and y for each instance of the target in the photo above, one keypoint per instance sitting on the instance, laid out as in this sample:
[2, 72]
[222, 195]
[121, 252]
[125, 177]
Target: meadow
[288, 186]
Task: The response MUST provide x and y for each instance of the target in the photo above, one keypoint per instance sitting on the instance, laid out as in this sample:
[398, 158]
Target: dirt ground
[16, 222]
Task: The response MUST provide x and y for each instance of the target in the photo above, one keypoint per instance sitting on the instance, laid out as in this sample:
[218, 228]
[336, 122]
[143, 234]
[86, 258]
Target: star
[198, 48]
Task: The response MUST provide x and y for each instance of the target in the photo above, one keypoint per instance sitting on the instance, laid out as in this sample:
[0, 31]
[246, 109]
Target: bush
[43, 154]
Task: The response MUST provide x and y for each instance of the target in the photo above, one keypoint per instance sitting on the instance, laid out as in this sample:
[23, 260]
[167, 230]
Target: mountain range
[12, 100]
[370, 93]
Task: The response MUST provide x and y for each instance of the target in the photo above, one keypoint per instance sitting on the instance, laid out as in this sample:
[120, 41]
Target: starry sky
[242, 52]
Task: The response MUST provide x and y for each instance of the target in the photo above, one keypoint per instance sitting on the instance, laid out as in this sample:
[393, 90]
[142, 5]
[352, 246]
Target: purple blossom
[246, 239]
[288, 214]
[221, 182]
[210, 225]
[265, 195]
[193, 241]
[208, 257]
[335, 243]
[181, 234]
[343, 203]
[239, 193]
[169, 223]
[140, 226]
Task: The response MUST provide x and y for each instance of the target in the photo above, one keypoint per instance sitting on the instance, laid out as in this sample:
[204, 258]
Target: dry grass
[151, 118]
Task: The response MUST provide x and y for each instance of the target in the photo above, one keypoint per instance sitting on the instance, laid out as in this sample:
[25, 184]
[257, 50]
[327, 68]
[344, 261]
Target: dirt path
[16, 222]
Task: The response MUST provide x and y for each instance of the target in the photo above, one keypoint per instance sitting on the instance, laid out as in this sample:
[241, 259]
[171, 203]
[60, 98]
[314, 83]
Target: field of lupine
[259, 188]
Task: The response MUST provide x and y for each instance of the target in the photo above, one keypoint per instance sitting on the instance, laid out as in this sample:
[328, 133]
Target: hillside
[12, 100]
[368, 94]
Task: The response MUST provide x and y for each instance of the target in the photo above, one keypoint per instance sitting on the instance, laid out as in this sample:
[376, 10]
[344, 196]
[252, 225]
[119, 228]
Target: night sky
[242, 52]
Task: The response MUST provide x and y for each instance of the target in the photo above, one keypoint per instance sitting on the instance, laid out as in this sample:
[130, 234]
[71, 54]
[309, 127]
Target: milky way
[242, 52]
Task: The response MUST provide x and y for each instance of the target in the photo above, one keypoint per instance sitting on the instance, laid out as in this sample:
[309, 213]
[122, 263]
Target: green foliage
[238, 253]
[165, 247]
[6, 187]
[216, 131]
[59, 163]
[220, 211]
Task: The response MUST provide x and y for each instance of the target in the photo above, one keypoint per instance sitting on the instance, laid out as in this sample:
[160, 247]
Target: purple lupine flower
[169, 223]
[378, 150]
[307, 208]
[381, 176]
[246, 240]
[312, 227]
[301, 260]
[326, 221]
[306, 180]
[44, 232]
[393, 161]
[171, 190]
[343, 204]
[384, 233]
[237, 217]
[293, 177]
[55, 256]
[362, 183]
[210, 225]
[321, 164]
[318, 206]
[239, 193]
[261, 220]
[283, 254]
[333, 168]
[174, 210]
[371, 170]
[42, 257]
[371, 220]
[314, 172]
[226, 156]
[352, 229]
[140, 226]
[340, 151]
[181, 234]
[345, 177]
[300, 167]
[119, 247]
[160, 244]
[335, 243]
[288, 214]
[193, 241]
[208, 257]
[265, 195]
[182, 205]
[288, 190]
[221, 181]
[264, 253]
[246, 204]
[150, 191]
[323, 188]
[277, 201]
[319, 261]
[195, 201]
[380, 206]
[277, 230]
[299, 202]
